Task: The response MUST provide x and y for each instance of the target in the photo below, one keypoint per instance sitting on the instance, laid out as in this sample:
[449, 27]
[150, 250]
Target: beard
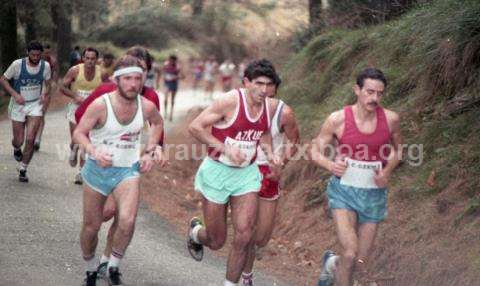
[128, 95]
[33, 62]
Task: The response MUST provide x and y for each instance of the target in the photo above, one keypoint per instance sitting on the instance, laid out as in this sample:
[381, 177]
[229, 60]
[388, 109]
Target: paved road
[40, 223]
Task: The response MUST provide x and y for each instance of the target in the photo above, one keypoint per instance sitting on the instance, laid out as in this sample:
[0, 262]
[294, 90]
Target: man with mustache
[110, 132]
[232, 128]
[366, 138]
[78, 84]
[30, 77]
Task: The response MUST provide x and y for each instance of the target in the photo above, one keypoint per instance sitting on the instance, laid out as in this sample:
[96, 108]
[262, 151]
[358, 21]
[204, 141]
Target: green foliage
[431, 57]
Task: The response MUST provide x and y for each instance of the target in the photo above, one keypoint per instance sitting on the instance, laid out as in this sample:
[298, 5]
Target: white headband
[126, 70]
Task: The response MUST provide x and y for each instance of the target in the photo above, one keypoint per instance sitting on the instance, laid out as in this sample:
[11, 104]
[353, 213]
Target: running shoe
[102, 270]
[17, 154]
[22, 175]
[195, 249]
[114, 277]
[78, 179]
[91, 279]
[326, 277]
[247, 280]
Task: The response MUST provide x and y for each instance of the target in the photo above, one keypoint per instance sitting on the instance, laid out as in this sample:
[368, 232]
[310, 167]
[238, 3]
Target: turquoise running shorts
[217, 182]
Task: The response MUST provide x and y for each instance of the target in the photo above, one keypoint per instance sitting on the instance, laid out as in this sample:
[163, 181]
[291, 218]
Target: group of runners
[251, 136]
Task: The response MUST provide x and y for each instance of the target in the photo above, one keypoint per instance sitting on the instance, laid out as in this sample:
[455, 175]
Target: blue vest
[27, 79]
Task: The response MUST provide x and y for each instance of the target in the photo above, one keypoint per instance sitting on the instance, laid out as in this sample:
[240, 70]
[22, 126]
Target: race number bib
[248, 148]
[83, 93]
[360, 174]
[30, 92]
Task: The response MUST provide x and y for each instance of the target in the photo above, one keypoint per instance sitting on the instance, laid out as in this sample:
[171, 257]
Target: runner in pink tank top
[366, 138]
[239, 121]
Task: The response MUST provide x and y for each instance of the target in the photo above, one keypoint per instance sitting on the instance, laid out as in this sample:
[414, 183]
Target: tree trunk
[30, 21]
[8, 33]
[197, 6]
[62, 11]
[315, 14]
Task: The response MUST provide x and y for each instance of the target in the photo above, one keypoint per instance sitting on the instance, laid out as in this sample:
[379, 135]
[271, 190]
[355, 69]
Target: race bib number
[30, 92]
[248, 148]
[83, 93]
[360, 174]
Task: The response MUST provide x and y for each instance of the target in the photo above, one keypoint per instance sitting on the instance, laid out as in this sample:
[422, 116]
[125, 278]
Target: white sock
[247, 275]
[92, 264]
[228, 283]
[195, 231]
[115, 259]
[23, 166]
[104, 259]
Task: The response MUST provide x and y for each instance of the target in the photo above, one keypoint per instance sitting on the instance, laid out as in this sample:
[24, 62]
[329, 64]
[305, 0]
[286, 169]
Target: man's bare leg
[214, 233]
[172, 102]
[38, 138]
[165, 102]
[126, 196]
[109, 211]
[32, 124]
[92, 220]
[244, 214]
[263, 230]
[367, 233]
[345, 223]
[73, 158]
[18, 130]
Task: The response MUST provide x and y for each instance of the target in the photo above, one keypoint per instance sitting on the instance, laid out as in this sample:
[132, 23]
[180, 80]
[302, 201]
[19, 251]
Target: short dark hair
[90, 49]
[34, 46]
[371, 73]
[139, 52]
[46, 46]
[173, 57]
[77, 48]
[263, 67]
[108, 56]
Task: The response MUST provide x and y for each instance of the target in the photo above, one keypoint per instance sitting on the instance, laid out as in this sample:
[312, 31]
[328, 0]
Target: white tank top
[278, 137]
[122, 141]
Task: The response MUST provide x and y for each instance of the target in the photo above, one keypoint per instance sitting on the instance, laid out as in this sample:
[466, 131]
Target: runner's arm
[89, 120]
[323, 141]
[156, 124]
[67, 81]
[397, 141]
[290, 128]
[199, 128]
[6, 85]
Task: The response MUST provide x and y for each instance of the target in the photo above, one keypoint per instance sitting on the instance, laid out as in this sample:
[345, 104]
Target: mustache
[373, 103]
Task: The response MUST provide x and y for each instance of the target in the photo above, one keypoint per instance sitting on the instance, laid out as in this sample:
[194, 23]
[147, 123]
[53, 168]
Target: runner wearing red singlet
[232, 127]
[171, 75]
[367, 138]
[285, 136]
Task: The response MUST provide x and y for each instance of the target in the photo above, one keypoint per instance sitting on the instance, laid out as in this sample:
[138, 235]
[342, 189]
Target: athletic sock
[194, 234]
[247, 275]
[115, 259]
[228, 283]
[104, 259]
[91, 263]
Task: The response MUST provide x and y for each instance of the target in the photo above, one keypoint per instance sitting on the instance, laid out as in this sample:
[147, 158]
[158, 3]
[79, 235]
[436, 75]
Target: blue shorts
[370, 205]
[105, 180]
[172, 85]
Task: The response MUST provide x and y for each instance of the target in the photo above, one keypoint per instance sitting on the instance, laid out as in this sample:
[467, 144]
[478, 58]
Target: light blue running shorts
[105, 180]
[369, 204]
